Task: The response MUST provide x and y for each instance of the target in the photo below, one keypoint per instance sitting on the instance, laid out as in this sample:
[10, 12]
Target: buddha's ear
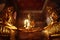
[14, 15]
[2, 6]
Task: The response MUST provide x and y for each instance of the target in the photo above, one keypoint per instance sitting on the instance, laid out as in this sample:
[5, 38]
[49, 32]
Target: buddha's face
[2, 6]
[10, 9]
[54, 16]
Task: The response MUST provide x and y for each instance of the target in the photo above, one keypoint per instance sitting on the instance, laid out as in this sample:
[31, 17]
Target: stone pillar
[12, 35]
